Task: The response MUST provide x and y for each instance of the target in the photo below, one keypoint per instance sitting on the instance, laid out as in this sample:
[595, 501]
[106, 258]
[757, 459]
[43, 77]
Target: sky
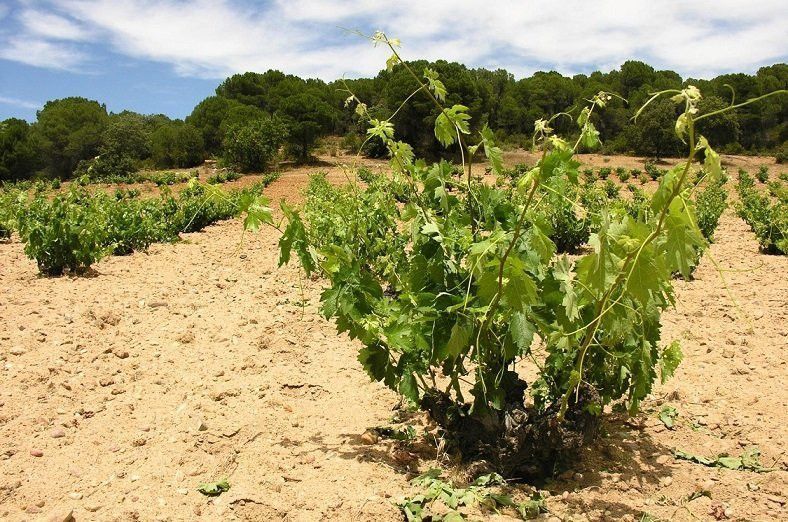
[165, 56]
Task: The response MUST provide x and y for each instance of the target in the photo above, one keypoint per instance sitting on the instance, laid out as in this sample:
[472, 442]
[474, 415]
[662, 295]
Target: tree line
[254, 116]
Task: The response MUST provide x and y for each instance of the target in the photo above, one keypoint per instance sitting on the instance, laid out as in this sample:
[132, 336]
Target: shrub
[652, 170]
[223, 176]
[107, 168]
[605, 172]
[763, 174]
[589, 175]
[566, 229]
[162, 178]
[643, 178]
[623, 174]
[767, 219]
[133, 224]
[611, 189]
[777, 190]
[253, 146]
[710, 203]
[64, 233]
[176, 145]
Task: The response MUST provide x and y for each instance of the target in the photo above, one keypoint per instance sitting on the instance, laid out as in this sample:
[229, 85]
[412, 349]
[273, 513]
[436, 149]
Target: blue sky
[165, 56]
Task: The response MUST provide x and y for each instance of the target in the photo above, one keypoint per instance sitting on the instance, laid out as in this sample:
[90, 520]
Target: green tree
[127, 135]
[252, 146]
[308, 118]
[69, 130]
[722, 129]
[177, 144]
[19, 153]
[654, 135]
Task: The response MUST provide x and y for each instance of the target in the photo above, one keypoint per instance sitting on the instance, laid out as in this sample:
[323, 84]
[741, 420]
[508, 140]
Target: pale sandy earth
[197, 361]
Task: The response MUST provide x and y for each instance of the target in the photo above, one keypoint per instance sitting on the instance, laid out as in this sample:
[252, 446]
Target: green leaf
[492, 152]
[669, 360]
[668, 416]
[434, 84]
[522, 332]
[459, 340]
[375, 361]
[562, 273]
[391, 62]
[214, 489]
[449, 122]
[408, 387]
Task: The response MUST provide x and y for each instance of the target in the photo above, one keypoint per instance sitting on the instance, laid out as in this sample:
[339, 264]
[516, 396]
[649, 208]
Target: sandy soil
[123, 391]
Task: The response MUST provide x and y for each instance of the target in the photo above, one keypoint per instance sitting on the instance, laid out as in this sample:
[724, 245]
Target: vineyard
[484, 336]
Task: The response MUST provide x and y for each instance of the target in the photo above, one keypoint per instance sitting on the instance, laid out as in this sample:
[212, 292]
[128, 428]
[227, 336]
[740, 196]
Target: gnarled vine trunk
[519, 442]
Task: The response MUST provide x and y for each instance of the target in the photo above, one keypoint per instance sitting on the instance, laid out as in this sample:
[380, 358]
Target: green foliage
[748, 461]
[589, 175]
[223, 176]
[710, 203]
[176, 145]
[19, 155]
[477, 280]
[611, 189]
[604, 173]
[559, 214]
[308, 118]
[653, 134]
[254, 145]
[763, 174]
[488, 492]
[653, 172]
[63, 232]
[165, 178]
[668, 416]
[75, 229]
[214, 489]
[69, 131]
[462, 278]
[767, 218]
[107, 168]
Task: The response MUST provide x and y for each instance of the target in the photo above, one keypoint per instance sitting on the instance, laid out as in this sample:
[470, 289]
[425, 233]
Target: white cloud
[214, 38]
[49, 25]
[39, 52]
[16, 102]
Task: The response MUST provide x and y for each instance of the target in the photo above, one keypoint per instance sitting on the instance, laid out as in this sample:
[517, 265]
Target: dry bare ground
[123, 391]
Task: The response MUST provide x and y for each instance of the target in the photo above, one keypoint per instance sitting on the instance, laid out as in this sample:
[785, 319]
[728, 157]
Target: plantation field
[123, 391]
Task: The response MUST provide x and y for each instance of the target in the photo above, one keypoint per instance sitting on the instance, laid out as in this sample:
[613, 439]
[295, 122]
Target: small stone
[666, 481]
[728, 512]
[36, 453]
[728, 353]
[33, 510]
[578, 476]
[134, 478]
[183, 491]
[75, 495]
[61, 515]
[93, 507]
[57, 433]
[121, 354]
[219, 373]
[17, 350]
[201, 426]
[40, 503]
[369, 437]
